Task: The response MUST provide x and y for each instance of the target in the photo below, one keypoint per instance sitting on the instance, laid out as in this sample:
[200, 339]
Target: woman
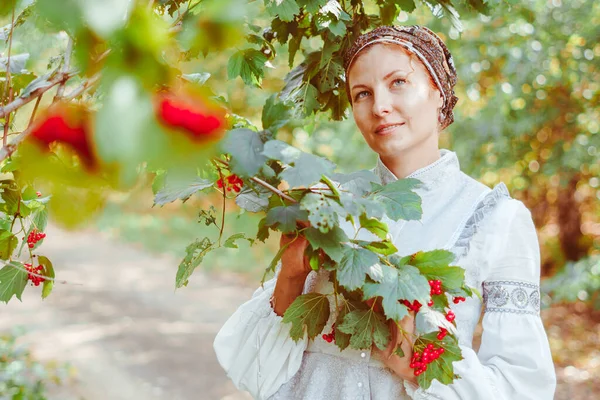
[400, 83]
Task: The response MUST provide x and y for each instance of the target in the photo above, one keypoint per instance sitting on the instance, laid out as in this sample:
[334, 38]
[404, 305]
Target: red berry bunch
[232, 183]
[415, 306]
[329, 337]
[420, 361]
[38, 194]
[450, 316]
[442, 334]
[34, 237]
[68, 124]
[458, 299]
[436, 287]
[36, 280]
[190, 115]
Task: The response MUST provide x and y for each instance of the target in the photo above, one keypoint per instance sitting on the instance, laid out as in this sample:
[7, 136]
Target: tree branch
[83, 87]
[8, 91]
[21, 101]
[65, 69]
[273, 189]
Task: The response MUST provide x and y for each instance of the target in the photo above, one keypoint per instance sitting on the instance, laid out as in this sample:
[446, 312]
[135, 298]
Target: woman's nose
[382, 104]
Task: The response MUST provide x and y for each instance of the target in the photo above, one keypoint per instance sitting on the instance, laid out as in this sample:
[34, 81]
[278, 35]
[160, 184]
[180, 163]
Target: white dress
[494, 240]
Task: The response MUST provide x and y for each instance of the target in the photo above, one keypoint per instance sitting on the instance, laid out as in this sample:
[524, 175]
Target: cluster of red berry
[442, 334]
[420, 361]
[436, 287]
[458, 299]
[68, 124]
[189, 115]
[232, 183]
[329, 337]
[34, 237]
[415, 306]
[36, 280]
[450, 316]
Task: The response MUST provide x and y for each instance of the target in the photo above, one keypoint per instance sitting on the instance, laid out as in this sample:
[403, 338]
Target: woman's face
[394, 104]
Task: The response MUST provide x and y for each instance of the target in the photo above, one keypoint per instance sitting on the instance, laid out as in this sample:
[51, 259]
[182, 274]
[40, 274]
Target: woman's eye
[361, 95]
[399, 82]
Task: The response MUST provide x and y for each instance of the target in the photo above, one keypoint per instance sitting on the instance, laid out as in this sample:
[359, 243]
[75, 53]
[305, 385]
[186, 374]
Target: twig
[37, 103]
[65, 68]
[38, 275]
[272, 188]
[21, 101]
[12, 146]
[8, 80]
[83, 87]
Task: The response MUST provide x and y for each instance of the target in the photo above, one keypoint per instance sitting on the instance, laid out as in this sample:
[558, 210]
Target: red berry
[450, 316]
[430, 303]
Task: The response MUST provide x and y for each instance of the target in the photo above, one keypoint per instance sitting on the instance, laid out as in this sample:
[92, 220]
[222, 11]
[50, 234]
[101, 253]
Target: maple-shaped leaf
[308, 313]
[442, 368]
[398, 199]
[276, 114]
[285, 218]
[312, 6]
[385, 247]
[8, 243]
[48, 271]
[380, 229]
[248, 64]
[245, 148]
[285, 9]
[253, 200]
[195, 253]
[366, 328]
[331, 242]
[403, 283]
[358, 183]
[434, 258]
[177, 190]
[354, 266]
[323, 212]
[13, 279]
[451, 277]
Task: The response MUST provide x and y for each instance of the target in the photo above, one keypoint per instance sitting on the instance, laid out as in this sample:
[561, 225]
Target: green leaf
[435, 258]
[338, 28]
[285, 9]
[342, 340]
[323, 212]
[195, 253]
[49, 272]
[308, 99]
[250, 200]
[312, 6]
[173, 191]
[332, 71]
[40, 219]
[12, 281]
[331, 242]
[405, 5]
[380, 229]
[275, 114]
[399, 352]
[398, 199]
[231, 240]
[442, 368]
[263, 230]
[397, 284]
[385, 248]
[354, 266]
[307, 170]
[245, 148]
[285, 218]
[451, 277]
[200, 78]
[8, 243]
[308, 313]
[367, 328]
[249, 64]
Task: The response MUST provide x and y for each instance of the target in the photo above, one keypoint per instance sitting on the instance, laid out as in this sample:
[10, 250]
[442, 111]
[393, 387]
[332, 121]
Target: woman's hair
[426, 46]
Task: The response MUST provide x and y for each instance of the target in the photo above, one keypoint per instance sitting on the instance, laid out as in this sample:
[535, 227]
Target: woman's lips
[387, 129]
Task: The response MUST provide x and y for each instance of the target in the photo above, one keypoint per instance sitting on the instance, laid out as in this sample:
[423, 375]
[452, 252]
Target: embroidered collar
[429, 175]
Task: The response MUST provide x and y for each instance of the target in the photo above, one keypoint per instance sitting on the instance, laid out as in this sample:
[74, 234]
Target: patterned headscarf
[427, 46]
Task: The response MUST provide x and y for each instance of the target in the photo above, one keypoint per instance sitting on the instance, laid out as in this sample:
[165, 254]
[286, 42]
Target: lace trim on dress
[472, 225]
[511, 296]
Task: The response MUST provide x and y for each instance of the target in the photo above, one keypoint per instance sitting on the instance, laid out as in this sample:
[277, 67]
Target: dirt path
[126, 331]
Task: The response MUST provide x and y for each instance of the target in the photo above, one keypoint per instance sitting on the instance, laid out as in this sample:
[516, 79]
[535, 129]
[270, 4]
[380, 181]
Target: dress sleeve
[254, 346]
[514, 360]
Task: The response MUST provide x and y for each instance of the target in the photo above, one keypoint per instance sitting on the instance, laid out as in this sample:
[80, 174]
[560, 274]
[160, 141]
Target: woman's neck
[404, 164]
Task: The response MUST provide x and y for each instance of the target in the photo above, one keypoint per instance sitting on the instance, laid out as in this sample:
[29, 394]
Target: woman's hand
[294, 264]
[402, 336]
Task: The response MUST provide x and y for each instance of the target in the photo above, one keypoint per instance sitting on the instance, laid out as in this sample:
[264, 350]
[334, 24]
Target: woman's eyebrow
[392, 73]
